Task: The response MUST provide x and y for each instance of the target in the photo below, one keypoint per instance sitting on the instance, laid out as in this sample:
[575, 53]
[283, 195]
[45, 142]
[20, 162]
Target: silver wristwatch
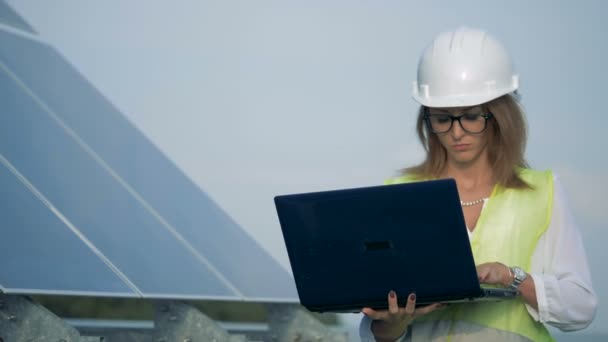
[519, 276]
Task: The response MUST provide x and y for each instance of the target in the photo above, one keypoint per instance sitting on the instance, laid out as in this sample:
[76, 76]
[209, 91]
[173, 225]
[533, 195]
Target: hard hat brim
[458, 101]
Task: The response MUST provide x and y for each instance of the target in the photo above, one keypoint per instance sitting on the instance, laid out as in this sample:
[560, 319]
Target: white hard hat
[465, 67]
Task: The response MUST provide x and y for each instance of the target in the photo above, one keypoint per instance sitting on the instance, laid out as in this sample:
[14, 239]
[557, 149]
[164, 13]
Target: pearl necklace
[468, 204]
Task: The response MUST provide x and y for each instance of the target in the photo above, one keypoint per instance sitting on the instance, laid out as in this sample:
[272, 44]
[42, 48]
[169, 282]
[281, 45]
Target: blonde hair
[507, 136]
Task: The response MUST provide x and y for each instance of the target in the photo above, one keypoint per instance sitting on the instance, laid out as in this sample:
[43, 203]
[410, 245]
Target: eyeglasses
[472, 123]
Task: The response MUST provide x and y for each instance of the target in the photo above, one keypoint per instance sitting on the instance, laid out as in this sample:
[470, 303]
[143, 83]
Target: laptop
[348, 248]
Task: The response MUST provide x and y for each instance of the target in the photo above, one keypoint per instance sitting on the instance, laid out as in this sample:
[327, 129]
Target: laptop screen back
[348, 248]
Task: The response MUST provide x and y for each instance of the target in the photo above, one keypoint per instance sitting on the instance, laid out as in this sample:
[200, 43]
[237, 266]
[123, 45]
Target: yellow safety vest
[507, 231]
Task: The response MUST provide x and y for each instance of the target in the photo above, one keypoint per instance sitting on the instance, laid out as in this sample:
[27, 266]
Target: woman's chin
[464, 158]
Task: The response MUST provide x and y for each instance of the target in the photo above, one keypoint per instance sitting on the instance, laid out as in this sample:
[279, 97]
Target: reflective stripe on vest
[507, 231]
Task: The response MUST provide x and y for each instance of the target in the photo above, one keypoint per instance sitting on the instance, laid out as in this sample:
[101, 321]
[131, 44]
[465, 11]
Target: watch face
[519, 273]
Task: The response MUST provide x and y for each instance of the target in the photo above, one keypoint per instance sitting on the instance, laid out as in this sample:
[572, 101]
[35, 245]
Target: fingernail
[392, 294]
[413, 296]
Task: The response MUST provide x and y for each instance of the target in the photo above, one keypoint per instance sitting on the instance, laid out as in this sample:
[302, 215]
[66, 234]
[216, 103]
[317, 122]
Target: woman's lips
[461, 147]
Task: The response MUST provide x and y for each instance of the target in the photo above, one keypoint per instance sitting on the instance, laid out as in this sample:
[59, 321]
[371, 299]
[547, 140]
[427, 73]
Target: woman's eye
[441, 118]
[471, 117]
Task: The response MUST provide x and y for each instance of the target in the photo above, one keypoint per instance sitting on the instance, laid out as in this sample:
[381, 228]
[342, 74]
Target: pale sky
[252, 99]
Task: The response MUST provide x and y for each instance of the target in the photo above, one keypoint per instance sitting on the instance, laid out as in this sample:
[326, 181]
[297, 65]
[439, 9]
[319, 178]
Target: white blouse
[560, 271]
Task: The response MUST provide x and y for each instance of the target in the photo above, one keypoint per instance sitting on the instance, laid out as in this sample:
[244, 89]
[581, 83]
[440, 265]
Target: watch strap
[519, 275]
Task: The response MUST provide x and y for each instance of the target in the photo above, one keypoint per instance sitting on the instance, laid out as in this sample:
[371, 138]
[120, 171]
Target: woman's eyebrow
[447, 111]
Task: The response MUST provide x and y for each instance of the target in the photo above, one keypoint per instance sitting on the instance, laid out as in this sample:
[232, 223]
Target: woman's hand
[494, 273]
[389, 324]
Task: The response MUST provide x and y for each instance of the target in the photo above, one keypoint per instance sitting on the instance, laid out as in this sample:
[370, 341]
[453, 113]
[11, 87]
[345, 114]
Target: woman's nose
[457, 132]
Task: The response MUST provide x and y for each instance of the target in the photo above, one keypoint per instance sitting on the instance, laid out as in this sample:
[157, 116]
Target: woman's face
[462, 131]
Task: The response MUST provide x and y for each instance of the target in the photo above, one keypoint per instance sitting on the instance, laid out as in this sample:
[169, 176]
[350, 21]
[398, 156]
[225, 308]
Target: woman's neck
[470, 176]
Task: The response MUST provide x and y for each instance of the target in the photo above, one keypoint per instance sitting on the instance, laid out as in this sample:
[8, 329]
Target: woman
[522, 233]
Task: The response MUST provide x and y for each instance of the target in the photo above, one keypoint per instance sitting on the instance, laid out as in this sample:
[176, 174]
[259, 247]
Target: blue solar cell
[39, 254]
[96, 204]
[10, 18]
[174, 197]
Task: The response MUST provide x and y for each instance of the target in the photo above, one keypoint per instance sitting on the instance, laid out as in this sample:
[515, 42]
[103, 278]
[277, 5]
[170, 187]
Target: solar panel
[10, 18]
[127, 198]
[113, 220]
[39, 255]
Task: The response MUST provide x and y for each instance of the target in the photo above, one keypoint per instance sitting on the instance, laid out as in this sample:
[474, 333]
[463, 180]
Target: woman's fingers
[494, 273]
[393, 304]
[429, 308]
[376, 315]
[409, 312]
[482, 272]
[410, 306]
[369, 312]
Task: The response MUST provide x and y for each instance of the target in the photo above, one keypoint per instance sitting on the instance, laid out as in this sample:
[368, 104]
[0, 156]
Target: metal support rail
[22, 319]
